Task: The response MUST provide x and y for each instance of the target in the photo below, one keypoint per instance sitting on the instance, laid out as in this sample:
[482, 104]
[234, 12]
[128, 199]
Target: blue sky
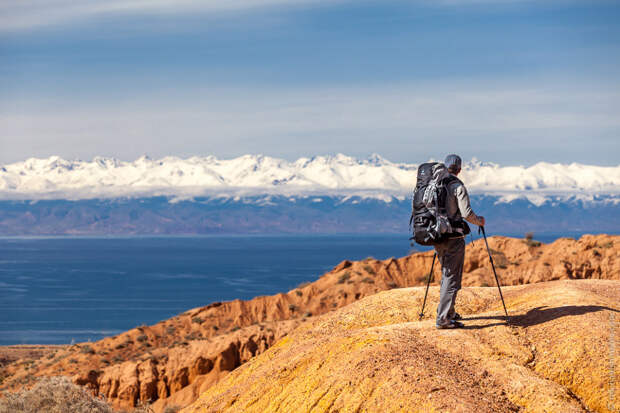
[509, 81]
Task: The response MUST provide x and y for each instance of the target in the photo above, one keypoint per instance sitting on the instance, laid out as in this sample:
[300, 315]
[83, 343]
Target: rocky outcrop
[172, 362]
[375, 355]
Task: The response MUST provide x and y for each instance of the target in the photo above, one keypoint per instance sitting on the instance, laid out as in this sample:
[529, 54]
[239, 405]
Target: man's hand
[481, 220]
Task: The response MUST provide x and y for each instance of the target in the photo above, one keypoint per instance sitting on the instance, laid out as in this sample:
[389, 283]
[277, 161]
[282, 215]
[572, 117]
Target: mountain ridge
[104, 178]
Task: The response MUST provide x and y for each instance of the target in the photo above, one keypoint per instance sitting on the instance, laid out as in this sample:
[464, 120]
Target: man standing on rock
[451, 252]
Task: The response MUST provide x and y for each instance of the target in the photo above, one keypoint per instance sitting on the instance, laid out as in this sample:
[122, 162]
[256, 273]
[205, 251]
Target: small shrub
[172, 409]
[86, 349]
[117, 359]
[532, 243]
[197, 320]
[215, 328]
[369, 269]
[596, 253]
[170, 330]
[120, 346]
[502, 266]
[142, 338]
[307, 314]
[368, 280]
[392, 284]
[53, 395]
[292, 307]
[235, 328]
[344, 277]
[529, 236]
[143, 407]
[299, 293]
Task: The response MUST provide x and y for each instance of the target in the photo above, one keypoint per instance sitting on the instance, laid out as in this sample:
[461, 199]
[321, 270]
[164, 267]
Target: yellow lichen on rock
[375, 356]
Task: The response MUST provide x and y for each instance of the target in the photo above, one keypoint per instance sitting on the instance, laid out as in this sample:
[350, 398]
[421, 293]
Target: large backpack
[429, 217]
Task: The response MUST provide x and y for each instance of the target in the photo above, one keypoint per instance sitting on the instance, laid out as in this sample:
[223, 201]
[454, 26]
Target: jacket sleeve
[462, 198]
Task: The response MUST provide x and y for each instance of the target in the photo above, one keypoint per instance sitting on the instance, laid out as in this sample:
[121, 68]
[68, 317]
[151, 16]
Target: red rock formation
[173, 361]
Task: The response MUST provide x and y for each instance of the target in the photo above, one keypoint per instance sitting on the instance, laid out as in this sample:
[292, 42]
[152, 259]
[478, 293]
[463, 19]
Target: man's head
[453, 163]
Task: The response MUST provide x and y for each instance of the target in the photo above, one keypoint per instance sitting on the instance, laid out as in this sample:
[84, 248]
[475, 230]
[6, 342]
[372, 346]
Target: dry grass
[57, 395]
[53, 395]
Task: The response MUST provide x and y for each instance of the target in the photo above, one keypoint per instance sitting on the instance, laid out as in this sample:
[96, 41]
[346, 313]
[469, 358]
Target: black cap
[453, 162]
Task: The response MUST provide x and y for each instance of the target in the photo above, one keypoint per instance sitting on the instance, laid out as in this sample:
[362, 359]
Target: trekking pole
[428, 283]
[481, 228]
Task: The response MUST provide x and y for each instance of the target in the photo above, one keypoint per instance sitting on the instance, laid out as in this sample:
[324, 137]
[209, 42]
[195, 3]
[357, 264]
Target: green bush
[532, 243]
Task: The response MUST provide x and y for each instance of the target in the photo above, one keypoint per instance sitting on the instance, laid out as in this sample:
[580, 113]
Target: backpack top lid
[425, 173]
[431, 171]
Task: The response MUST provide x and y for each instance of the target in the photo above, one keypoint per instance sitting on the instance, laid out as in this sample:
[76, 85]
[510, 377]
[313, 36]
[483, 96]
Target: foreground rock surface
[374, 355]
[172, 362]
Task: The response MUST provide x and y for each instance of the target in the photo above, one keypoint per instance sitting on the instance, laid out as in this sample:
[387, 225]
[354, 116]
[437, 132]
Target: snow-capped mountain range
[375, 177]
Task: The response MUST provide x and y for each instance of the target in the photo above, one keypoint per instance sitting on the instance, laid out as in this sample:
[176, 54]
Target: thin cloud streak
[308, 121]
[26, 14]
[19, 15]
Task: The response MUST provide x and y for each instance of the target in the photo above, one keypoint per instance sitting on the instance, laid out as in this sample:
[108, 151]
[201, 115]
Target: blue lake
[55, 290]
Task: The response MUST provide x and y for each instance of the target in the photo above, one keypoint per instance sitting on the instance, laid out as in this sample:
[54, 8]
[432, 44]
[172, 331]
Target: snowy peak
[57, 178]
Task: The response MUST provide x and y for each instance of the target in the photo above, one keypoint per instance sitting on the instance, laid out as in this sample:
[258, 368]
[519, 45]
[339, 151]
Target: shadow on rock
[538, 315]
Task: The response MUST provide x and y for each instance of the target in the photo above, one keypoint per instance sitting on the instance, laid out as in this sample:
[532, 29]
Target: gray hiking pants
[451, 254]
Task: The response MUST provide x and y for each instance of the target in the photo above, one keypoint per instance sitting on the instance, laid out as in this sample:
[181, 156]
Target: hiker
[451, 250]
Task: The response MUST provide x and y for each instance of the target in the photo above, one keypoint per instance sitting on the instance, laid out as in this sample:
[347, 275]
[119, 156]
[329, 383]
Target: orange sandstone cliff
[174, 361]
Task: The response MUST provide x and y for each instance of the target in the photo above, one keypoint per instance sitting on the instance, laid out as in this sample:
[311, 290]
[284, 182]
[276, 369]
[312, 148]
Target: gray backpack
[429, 218]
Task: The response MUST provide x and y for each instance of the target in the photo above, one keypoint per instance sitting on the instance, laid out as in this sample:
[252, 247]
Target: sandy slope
[374, 355]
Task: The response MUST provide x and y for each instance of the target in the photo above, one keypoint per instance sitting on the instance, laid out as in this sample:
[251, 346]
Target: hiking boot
[450, 325]
[456, 316]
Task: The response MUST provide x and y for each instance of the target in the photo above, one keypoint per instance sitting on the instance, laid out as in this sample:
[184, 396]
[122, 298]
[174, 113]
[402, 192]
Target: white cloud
[25, 14]
[28, 14]
[291, 122]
